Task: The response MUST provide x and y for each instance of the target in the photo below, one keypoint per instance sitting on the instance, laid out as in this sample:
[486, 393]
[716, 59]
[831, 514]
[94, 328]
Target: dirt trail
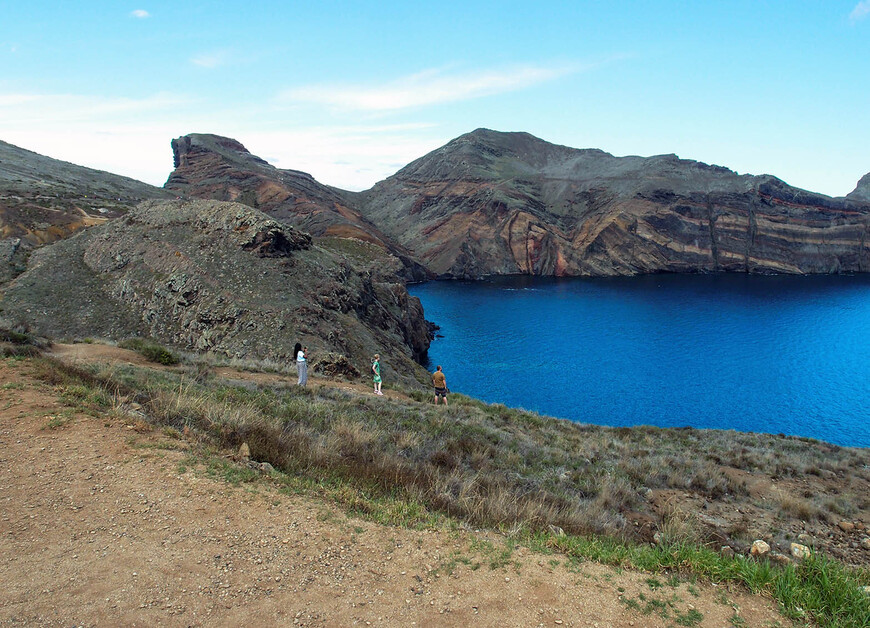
[104, 522]
[97, 353]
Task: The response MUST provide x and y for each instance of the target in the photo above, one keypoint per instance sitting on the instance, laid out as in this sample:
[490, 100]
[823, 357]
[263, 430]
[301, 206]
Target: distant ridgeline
[510, 203]
[491, 203]
[486, 203]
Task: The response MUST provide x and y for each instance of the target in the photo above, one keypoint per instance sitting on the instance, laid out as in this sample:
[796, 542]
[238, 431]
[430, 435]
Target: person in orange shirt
[440, 383]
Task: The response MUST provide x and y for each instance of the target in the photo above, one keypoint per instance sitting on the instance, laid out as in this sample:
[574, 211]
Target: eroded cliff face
[509, 203]
[220, 168]
[223, 278]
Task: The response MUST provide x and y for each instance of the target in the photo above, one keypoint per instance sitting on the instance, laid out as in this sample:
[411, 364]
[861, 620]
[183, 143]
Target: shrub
[151, 351]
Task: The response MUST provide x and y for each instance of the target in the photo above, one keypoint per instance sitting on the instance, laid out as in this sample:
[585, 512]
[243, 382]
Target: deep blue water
[763, 354]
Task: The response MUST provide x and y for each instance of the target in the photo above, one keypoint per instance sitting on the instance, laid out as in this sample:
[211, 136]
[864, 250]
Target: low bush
[151, 351]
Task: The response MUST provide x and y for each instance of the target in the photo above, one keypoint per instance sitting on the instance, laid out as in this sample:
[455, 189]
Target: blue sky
[352, 91]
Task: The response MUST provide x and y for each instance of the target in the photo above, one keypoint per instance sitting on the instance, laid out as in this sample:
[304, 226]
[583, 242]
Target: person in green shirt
[376, 373]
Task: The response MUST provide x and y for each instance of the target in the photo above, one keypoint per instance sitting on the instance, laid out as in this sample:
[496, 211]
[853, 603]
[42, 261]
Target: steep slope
[862, 190]
[220, 168]
[44, 199]
[219, 277]
[510, 203]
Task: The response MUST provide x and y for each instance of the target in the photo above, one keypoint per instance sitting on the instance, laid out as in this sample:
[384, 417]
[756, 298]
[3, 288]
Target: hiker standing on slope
[440, 383]
[376, 373]
[301, 354]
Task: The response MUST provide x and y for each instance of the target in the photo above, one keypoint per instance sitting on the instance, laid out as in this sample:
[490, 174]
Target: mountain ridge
[43, 199]
[510, 203]
[219, 168]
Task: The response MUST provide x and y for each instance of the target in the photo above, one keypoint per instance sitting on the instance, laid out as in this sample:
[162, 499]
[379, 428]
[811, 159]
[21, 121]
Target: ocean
[775, 354]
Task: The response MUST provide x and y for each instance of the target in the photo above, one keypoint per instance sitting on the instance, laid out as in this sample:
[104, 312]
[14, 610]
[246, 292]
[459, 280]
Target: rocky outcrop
[220, 168]
[862, 190]
[218, 277]
[509, 203]
[485, 203]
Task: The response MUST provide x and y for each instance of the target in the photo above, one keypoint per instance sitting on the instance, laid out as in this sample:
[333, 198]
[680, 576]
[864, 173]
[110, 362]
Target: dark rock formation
[13, 258]
[220, 168]
[219, 277]
[510, 203]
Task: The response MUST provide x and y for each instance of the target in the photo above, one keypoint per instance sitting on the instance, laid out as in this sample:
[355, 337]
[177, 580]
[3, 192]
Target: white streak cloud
[210, 59]
[60, 109]
[861, 10]
[140, 14]
[351, 157]
[131, 137]
[425, 88]
[125, 136]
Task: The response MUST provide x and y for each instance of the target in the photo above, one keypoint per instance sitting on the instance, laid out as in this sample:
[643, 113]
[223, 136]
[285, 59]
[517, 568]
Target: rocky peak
[221, 168]
[188, 148]
[862, 190]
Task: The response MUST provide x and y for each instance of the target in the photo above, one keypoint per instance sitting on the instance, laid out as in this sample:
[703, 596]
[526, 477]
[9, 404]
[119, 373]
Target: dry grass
[525, 474]
[802, 508]
[485, 463]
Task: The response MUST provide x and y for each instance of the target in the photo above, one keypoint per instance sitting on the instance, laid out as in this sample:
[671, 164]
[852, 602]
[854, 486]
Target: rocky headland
[224, 278]
[270, 256]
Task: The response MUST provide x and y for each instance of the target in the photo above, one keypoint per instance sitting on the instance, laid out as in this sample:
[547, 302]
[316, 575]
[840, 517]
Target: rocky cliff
[224, 278]
[220, 168]
[510, 203]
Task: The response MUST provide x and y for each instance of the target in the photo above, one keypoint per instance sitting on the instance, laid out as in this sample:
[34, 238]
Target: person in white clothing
[301, 363]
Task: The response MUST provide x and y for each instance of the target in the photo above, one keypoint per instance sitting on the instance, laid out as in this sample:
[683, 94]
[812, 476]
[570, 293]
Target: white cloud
[425, 88]
[140, 14]
[861, 10]
[121, 135]
[210, 59]
[348, 157]
[9, 100]
[131, 136]
[20, 109]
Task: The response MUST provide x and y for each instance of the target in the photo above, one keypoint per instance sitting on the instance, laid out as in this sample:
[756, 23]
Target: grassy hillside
[620, 495]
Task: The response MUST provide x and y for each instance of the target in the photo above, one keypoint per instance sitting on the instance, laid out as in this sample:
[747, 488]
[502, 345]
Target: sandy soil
[105, 522]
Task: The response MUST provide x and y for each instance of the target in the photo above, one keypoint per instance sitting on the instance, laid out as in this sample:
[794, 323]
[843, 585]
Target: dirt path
[104, 522]
[96, 353]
